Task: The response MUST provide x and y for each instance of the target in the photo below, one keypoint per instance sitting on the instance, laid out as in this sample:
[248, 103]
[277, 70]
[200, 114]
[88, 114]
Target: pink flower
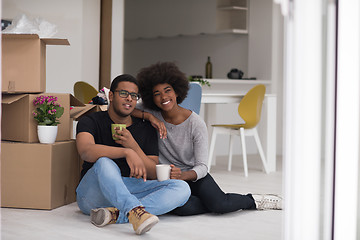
[47, 111]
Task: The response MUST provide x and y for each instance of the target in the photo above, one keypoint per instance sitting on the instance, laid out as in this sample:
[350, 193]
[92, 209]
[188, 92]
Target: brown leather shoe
[103, 216]
[141, 220]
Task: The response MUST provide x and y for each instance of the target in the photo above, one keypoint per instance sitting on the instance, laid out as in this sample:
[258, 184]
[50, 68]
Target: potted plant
[47, 114]
[199, 79]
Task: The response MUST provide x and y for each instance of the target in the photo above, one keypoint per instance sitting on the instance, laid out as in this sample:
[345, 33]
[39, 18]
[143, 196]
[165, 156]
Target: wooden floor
[68, 222]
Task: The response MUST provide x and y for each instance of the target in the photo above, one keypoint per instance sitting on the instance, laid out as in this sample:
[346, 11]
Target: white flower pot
[47, 134]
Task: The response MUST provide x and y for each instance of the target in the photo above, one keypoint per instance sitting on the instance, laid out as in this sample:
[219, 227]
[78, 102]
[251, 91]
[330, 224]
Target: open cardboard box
[18, 123]
[80, 111]
[39, 176]
[24, 62]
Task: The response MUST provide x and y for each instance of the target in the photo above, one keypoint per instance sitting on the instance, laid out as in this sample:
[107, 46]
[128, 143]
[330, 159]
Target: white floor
[68, 222]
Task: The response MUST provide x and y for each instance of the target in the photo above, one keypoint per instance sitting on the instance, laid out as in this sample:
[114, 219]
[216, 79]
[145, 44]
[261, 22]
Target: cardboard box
[18, 123]
[78, 112]
[39, 176]
[24, 62]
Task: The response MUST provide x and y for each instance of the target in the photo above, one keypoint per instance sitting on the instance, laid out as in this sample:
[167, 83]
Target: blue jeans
[103, 186]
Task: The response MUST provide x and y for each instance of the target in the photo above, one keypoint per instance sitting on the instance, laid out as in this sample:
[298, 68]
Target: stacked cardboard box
[38, 176]
[24, 62]
[34, 175]
[18, 123]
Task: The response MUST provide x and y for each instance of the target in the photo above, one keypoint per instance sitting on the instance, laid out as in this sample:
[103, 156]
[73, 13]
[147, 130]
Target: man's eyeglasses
[125, 94]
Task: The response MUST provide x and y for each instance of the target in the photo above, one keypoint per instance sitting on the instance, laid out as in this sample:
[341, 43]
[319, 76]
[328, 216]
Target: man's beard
[118, 112]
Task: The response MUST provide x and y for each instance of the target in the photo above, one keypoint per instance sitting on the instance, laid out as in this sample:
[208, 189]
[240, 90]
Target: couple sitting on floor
[118, 179]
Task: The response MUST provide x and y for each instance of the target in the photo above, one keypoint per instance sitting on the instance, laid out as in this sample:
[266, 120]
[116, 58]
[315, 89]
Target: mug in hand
[119, 126]
[163, 172]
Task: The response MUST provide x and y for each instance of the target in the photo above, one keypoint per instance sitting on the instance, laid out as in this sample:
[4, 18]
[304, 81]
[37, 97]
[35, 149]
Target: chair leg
[212, 148]
[242, 137]
[261, 151]
[230, 151]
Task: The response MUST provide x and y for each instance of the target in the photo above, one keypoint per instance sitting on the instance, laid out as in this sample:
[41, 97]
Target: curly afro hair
[160, 73]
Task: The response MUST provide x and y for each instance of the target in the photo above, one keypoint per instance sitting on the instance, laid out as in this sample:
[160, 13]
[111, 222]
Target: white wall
[277, 70]
[260, 38]
[190, 53]
[117, 38]
[76, 20]
[181, 22]
[252, 53]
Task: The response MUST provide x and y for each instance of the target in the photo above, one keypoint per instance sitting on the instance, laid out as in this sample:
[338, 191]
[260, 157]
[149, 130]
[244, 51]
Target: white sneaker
[267, 201]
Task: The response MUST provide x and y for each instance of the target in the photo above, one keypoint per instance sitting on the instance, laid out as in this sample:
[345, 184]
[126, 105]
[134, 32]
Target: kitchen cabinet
[174, 18]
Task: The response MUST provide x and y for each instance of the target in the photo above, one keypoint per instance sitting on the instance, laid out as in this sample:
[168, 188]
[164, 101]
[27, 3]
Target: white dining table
[210, 99]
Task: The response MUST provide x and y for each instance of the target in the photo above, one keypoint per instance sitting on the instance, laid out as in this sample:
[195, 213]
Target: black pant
[207, 197]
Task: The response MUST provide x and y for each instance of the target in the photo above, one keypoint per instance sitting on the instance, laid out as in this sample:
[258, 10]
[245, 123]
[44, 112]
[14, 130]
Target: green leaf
[48, 121]
[199, 80]
[59, 111]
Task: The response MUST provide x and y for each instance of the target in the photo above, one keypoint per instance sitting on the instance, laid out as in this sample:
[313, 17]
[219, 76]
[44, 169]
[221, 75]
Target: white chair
[250, 111]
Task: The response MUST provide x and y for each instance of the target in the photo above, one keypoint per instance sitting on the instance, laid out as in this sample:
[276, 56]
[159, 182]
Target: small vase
[47, 134]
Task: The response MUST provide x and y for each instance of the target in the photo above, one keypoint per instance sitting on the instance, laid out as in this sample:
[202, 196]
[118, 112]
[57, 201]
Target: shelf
[234, 85]
[219, 32]
[232, 3]
[232, 16]
[235, 31]
[237, 81]
[175, 19]
[226, 8]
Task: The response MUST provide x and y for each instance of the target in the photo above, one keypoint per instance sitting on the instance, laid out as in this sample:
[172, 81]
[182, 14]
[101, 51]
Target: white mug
[163, 172]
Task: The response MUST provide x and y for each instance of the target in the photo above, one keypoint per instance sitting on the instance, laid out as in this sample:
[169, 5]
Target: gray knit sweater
[186, 145]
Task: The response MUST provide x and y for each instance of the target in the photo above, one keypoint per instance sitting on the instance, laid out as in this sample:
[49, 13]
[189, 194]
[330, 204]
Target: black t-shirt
[98, 124]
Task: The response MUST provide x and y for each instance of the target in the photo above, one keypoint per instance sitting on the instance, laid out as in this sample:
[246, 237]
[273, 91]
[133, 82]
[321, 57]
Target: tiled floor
[68, 222]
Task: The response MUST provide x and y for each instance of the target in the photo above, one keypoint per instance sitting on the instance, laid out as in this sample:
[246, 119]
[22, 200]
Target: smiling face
[164, 96]
[120, 105]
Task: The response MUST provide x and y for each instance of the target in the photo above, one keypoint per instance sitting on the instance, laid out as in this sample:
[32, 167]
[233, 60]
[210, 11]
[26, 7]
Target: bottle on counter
[208, 69]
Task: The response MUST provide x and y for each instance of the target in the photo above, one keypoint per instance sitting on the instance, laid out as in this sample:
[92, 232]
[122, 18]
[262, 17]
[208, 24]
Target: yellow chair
[84, 91]
[250, 111]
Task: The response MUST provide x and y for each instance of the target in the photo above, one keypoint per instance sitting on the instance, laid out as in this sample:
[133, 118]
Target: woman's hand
[136, 164]
[175, 172]
[159, 125]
